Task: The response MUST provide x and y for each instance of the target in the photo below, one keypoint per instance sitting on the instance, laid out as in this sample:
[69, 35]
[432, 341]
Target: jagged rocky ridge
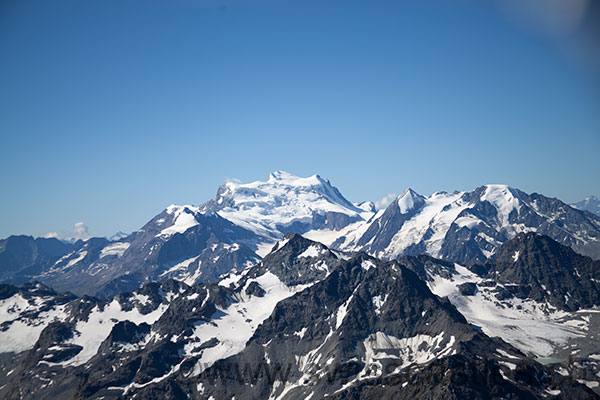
[536, 267]
[538, 295]
[243, 221]
[181, 242]
[469, 227]
[335, 321]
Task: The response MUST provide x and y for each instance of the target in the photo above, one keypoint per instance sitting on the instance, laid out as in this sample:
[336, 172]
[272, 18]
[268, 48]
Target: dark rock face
[128, 332]
[7, 291]
[561, 221]
[298, 261]
[62, 278]
[254, 289]
[426, 266]
[462, 377]
[541, 269]
[468, 288]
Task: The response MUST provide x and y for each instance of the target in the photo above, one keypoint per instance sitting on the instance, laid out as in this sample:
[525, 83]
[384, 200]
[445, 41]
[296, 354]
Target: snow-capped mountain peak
[468, 226]
[184, 217]
[368, 206]
[499, 195]
[118, 236]
[504, 199]
[286, 178]
[284, 203]
[590, 203]
[408, 200]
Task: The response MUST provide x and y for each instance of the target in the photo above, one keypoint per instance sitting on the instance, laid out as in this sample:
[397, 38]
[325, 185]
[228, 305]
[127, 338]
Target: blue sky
[112, 110]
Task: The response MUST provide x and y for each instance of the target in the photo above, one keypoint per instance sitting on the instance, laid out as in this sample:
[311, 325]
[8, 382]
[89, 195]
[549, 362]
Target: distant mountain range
[243, 221]
[590, 203]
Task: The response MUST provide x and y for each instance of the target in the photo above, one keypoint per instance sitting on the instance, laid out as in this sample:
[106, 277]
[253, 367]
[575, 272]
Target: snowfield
[537, 329]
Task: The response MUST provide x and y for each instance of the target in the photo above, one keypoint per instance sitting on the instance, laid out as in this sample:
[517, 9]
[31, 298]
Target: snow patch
[23, 332]
[312, 251]
[516, 256]
[239, 320]
[418, 349]
[91, 333]
[378, 303]
[184, 219]
[115, 249]
[367, 265]
[534, 328]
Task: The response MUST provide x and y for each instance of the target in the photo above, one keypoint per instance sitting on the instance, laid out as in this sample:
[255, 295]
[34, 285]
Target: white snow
[503, 199]
[378, 302]
[342, 311]
[182, 266]
[114, 249]
[406, 201]
[468, 221]
[350, 233]
[311, 251]
[239, 320]
[75, 260]
[23, 332]
[437, 214]
[367, 265]
[418, 349]
[92, 332]
[185, 219]
[590, 384]
[300, 333]
[534, 328]
[263, 248]
[284, 199]
[231, 278]
[509, 365]
[516, 257]
[507, 355]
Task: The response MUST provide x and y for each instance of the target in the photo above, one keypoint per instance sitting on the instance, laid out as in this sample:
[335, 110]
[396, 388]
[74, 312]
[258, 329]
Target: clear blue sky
[112, 110]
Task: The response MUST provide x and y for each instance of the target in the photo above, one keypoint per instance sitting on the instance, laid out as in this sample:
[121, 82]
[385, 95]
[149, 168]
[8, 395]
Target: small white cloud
[51, 235]
[232, 180]
[385, 201]
[80, 231]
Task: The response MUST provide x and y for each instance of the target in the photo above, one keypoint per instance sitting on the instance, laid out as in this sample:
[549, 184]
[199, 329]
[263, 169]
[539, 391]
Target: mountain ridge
[243, 222]
[346, 324]
[590, 203]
